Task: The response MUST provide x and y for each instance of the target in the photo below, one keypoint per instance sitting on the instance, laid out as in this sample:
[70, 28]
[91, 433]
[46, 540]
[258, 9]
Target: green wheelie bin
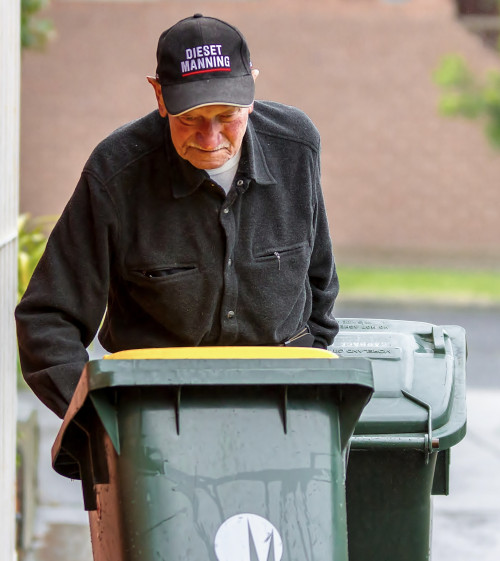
[215, 454]
[400, 451]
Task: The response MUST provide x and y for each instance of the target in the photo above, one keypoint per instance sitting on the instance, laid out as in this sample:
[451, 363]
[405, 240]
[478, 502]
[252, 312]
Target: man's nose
[209, 134]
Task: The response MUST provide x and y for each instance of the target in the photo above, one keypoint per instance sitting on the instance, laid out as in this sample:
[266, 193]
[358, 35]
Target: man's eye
[187, 120]
[229, 116]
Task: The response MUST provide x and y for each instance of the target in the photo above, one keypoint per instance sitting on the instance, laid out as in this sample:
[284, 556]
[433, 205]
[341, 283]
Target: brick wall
[401, 182]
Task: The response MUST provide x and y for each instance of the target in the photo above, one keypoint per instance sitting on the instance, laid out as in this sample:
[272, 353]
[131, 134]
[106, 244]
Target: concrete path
[467, 522]
[61, 528]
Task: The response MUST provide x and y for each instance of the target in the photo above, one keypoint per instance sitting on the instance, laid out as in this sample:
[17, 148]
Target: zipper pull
[278, 257]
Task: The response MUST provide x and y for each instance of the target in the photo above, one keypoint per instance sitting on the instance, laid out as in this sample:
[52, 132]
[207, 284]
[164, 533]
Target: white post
[9, 197]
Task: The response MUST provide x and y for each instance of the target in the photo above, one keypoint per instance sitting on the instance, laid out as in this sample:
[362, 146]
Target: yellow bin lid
[176, 353]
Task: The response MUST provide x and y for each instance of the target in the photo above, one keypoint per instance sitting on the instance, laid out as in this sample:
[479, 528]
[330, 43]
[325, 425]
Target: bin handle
[438, 340]
[429, 442]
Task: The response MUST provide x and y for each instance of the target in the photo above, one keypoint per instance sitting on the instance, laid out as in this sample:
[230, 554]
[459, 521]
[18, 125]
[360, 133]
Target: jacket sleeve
[63, 306]
[323, 279]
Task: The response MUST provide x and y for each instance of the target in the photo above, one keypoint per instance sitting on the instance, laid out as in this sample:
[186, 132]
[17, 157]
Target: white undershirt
[224, 175]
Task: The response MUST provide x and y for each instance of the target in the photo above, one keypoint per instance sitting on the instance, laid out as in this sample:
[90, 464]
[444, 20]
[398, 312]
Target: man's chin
[207, 160]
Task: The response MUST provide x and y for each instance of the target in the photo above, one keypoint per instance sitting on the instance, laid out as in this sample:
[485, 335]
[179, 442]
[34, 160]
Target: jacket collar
[253, 162]
[186, 178]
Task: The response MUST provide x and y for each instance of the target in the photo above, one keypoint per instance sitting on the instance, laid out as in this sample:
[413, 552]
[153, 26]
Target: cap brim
[238, 91]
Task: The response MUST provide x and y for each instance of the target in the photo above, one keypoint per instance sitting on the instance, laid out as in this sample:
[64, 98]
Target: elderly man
[202, 223]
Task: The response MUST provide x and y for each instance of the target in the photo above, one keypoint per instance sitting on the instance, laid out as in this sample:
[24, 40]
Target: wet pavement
[61, 528]
[466, 524]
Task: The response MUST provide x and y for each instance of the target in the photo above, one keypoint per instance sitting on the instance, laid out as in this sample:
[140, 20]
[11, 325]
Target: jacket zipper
[278, 257]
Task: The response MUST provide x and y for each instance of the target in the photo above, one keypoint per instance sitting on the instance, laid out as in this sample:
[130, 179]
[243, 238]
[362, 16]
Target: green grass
[431, 285]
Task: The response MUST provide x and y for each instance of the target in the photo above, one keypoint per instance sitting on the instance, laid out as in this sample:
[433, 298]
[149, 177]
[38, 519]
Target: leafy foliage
[35, 32]
[32, 239]
[466, 96]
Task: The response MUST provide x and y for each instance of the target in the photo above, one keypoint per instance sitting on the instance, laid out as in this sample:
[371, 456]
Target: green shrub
[32, 239]
[465, 95]
[35, 32]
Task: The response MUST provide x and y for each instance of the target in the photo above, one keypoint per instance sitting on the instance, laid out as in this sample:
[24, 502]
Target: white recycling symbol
[248, 537]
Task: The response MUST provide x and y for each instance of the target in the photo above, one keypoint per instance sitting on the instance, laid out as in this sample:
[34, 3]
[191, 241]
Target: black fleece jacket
[156, 246]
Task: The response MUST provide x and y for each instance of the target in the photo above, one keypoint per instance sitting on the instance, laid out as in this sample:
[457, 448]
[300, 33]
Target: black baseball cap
[204, 61]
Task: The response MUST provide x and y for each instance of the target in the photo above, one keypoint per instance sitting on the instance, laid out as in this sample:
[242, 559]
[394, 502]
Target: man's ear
[255, 74]
[159, 96]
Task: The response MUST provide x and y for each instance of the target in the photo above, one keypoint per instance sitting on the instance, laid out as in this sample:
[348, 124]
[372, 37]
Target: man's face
[209, 136]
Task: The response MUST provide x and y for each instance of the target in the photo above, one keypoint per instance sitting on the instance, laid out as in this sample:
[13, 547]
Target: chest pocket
[277, 282]
[282, 257]
[177, 296]
[164, 272]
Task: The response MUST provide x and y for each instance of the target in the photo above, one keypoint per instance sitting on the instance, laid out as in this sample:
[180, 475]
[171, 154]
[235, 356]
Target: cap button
[198, 15]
